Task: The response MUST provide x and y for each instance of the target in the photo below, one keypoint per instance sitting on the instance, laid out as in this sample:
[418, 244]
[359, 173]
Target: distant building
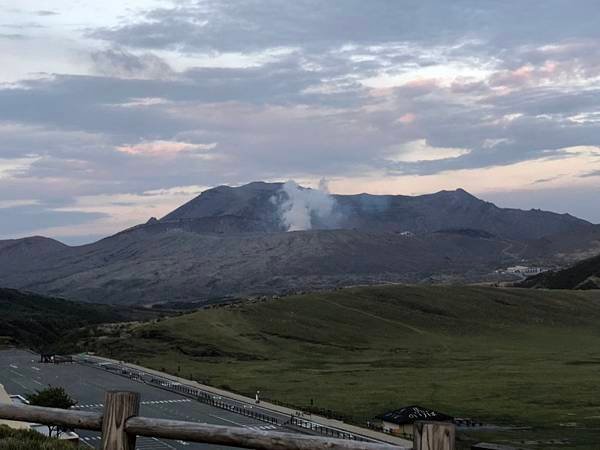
[525, 270]
[400, 422]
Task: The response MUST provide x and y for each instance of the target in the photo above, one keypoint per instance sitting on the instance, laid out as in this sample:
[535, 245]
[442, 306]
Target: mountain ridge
[255, 207]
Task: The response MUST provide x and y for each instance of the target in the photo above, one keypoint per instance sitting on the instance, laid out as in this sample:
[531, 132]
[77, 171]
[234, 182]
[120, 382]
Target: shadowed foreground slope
[46, 323]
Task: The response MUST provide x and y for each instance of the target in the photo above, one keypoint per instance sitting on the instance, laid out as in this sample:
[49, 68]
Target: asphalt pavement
[21, 373]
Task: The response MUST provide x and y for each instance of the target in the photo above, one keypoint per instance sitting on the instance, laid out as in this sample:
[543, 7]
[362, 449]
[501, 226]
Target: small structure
[400, 421]
[525, 270]
[51, 358]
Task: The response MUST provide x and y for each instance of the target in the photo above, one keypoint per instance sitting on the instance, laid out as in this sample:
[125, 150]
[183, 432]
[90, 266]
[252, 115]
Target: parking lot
[22, 373]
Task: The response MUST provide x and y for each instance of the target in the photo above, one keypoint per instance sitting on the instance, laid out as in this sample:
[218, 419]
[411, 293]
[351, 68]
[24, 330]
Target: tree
[52, 397]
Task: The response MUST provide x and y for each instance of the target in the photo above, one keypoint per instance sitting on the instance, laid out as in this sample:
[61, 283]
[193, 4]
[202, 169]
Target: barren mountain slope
[231, 241]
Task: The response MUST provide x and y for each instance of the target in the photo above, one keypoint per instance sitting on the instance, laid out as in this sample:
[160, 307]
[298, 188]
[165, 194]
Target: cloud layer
[384, 96]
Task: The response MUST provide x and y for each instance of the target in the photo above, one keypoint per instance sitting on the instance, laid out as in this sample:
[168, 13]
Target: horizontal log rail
[242, 437]
[122, 427]
[81, 420]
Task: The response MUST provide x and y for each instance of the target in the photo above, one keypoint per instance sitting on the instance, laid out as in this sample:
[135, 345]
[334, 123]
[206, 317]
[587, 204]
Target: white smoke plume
[299, 206]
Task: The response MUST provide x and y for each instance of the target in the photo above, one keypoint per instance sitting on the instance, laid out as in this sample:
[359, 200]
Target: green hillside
[583, 275]
[46, 323]
[505, 356]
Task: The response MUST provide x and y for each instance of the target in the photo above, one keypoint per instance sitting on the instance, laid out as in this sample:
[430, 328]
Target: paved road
[21, 373]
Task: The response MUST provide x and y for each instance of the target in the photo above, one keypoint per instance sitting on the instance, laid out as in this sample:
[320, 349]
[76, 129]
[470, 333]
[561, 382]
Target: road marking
[164, 443]
[14, 366]
[148, 402]
[87, 443]
[227, 420]
[35, 368]
[27, 388]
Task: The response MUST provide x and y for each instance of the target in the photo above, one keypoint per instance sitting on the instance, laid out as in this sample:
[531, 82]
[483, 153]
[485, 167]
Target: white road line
[227, 420]
[86, 443]
[22, 385]
[164, 443]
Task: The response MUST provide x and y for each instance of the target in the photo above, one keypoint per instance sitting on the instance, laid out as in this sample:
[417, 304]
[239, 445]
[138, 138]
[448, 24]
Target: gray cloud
[259, 24]
[13, 36]
[593, 173]
[24, 219]
[120, 63]
[527, 90]
[46, 13]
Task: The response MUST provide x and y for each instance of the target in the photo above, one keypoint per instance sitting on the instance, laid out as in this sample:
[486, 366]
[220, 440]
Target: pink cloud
[164, 148]
[407, 119]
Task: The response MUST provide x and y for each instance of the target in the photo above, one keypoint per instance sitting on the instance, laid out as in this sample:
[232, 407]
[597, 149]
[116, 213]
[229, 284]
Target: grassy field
[29, 440]
[511, 357]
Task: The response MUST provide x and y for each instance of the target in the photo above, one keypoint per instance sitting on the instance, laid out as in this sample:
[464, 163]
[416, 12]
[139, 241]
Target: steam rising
[300, 208]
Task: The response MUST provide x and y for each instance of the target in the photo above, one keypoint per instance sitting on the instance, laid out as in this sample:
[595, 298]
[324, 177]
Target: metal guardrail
[219, 401]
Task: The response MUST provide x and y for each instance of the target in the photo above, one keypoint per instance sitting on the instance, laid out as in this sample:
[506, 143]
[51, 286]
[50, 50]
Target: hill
[231, 242]
[583, 275]
[514, 357]
[45, 323]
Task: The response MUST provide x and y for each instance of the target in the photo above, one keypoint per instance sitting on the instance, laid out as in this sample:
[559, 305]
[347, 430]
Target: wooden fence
[120, 425]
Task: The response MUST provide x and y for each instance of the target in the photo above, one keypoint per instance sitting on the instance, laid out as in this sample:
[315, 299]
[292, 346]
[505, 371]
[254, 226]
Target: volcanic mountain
[233, 241]
[257, 207]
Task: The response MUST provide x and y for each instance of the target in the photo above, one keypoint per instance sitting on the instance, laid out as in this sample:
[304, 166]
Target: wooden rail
[120, 425]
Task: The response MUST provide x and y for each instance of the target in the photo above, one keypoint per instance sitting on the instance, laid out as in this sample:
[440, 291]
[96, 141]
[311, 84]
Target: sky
[116, 111]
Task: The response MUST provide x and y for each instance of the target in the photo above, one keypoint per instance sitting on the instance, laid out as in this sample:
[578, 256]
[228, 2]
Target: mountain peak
[268, 207]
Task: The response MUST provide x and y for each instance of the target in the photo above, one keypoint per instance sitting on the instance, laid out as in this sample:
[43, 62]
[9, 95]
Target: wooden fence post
[434, 436]
[118, 407]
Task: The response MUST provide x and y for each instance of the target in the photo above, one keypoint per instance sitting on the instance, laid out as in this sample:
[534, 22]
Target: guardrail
[120, 425]
[219, 401]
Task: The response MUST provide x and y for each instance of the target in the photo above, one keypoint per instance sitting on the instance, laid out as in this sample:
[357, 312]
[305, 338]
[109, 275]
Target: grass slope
[29, 440]
[504, 356]
[46, 323]
[583, 275]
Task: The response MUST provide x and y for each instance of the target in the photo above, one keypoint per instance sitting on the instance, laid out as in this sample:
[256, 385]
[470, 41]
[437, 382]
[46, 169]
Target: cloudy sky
[115, 111]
